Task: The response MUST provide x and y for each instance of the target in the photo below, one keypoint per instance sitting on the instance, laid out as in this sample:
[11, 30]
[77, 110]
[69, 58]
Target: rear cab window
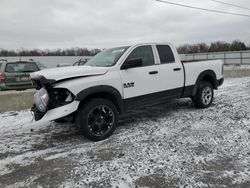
[165, 53]
[21, 67]
[0, 66]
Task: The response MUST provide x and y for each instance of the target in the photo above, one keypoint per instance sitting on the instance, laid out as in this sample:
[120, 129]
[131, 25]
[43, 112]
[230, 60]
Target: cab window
[143, 52]
[165, 53]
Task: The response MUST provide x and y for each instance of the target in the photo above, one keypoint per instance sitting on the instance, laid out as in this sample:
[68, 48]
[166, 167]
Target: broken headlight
[42, 100]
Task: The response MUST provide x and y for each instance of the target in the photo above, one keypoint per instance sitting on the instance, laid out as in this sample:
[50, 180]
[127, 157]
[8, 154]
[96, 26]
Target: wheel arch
[207, 76]
[102, 91]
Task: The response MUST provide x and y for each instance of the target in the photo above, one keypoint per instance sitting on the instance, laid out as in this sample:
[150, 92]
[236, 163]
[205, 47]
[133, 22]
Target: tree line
[57, 52]
[218, 46]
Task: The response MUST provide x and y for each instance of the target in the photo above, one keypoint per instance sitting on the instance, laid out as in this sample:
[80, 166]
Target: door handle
[177, 69]
[153, 72]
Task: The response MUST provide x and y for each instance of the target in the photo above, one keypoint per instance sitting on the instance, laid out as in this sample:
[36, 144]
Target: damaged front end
[52, 103]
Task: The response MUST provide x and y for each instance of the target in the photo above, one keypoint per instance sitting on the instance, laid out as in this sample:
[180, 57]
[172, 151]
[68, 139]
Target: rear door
[171, 72]
[18, 73]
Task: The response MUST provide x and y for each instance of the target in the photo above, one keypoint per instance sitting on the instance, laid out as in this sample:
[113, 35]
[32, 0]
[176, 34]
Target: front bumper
[56, 113]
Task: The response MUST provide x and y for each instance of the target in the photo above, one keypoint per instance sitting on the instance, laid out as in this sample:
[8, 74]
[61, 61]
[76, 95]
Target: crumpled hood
[70, 72]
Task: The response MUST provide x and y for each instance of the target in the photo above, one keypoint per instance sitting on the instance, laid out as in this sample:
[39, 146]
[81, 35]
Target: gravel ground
[171, 145]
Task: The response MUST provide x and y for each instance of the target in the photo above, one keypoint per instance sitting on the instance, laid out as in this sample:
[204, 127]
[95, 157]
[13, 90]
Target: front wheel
[97, 119]
[204, 95]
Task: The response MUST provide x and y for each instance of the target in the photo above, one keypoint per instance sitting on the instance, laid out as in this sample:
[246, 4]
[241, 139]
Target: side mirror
[131, 63]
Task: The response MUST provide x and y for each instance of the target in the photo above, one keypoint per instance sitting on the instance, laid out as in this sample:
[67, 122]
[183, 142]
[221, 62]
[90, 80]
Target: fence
[229, 58]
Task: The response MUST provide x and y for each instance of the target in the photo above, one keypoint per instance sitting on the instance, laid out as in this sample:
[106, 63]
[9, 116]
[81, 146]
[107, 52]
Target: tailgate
[17, 79]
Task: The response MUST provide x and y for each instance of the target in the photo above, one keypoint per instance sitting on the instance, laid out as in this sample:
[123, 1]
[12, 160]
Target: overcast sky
[107, 23]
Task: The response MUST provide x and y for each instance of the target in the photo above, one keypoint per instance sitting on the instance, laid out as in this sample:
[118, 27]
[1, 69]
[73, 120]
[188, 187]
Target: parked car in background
[81, 62]
[63, 65]
[41, 66]
[15, 75]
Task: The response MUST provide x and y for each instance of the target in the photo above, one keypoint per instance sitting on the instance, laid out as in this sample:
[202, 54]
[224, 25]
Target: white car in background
[63, 65]
[81, 62]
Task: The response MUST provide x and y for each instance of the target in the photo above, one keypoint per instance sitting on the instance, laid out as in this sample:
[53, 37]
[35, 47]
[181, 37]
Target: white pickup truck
[118, 79]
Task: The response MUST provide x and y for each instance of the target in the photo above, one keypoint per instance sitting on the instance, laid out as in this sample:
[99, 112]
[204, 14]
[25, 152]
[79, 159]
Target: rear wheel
[97, 119]
[204, 95]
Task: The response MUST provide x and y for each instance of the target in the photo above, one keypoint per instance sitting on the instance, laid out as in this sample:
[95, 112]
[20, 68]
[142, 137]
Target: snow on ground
[171, 145]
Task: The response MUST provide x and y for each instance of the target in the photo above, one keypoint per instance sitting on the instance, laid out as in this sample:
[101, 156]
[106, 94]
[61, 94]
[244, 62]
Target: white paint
[70, 72]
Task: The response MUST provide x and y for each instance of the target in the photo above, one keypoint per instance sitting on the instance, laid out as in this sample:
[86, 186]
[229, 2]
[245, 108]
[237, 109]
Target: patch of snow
[172, 144]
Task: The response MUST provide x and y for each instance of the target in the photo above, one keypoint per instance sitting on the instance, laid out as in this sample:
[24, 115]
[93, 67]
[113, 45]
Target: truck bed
[194, 68]
[192, 61]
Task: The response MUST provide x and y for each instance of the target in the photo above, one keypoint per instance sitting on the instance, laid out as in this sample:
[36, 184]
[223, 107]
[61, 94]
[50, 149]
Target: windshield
[19, 67]
[107, 58]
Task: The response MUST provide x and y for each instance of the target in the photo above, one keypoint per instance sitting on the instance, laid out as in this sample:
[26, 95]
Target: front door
[141, 83]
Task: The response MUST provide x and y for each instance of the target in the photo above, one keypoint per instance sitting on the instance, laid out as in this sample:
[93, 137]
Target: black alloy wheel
[97, 119]
[100, 120]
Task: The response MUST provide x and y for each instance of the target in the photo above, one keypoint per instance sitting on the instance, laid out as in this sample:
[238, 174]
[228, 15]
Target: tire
[204, 95]
[97, 119]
